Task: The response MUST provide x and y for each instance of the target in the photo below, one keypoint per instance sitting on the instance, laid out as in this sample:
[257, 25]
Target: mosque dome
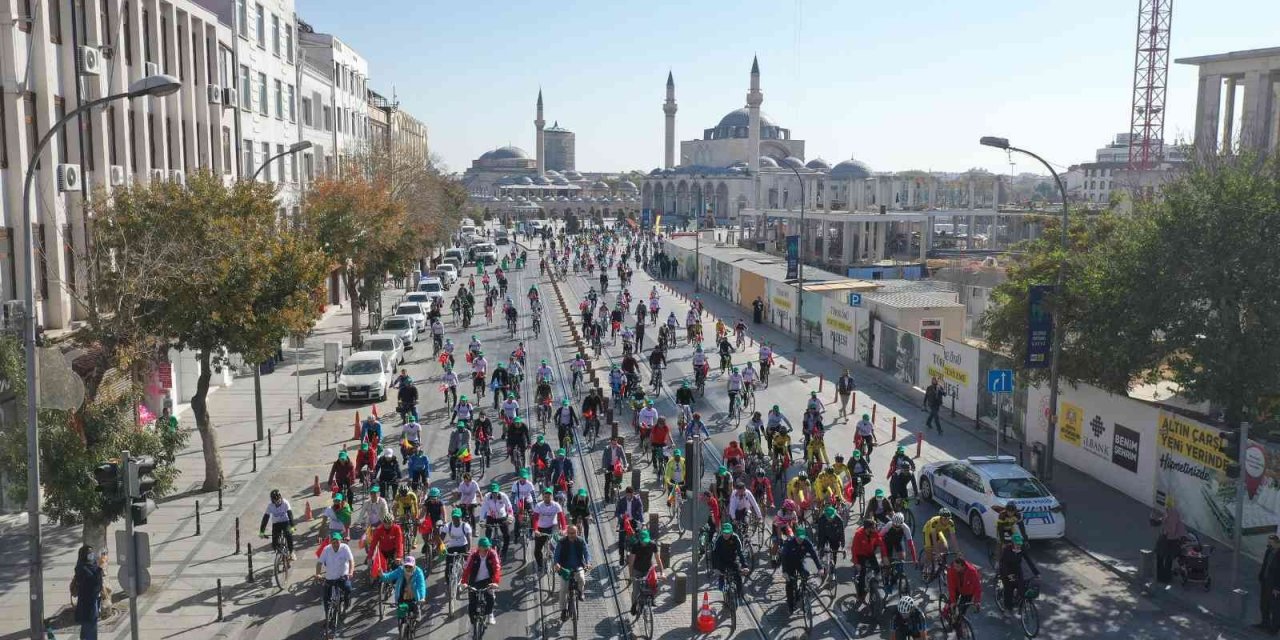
[505, 153]
[793, 162]
[850, 170]
[600, 184]
[628, 185]
[526, 180]
[741, 118]
[560, 181]
[736, 124]
[541, 180]
[818, 164]
[766, 161]
[551, 173]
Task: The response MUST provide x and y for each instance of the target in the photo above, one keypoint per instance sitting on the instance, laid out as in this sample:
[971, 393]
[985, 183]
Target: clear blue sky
[902, 85]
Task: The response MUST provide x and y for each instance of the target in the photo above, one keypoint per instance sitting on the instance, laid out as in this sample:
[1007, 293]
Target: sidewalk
[188, 591]
[1097, 513]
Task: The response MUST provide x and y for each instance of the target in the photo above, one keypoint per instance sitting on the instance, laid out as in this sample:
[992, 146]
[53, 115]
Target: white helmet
[906, 604]
[898, 519]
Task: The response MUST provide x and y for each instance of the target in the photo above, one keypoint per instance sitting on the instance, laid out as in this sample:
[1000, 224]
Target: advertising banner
[840, 327]
[782, 305]
[955, 366]
[1039, 327]
[862, 346]
[793, 257]
[899, 353]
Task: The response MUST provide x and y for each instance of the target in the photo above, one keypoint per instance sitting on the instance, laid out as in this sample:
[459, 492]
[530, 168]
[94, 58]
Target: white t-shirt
[498, 508]
[521, 490]
[279, 512]
[457, 535]
[469, 492]
[547, 514]
[413, 432]
[335, 562]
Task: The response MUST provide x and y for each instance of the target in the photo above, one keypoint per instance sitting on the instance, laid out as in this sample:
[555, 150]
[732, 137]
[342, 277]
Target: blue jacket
[419, 462]
[419, 582]
[572, 556]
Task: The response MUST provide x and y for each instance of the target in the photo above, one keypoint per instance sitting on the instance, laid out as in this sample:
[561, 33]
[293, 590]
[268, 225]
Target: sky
[897, 85]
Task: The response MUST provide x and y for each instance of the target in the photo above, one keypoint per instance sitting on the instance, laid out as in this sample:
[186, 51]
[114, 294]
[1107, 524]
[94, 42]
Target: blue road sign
[855, 299]
[1000, 381]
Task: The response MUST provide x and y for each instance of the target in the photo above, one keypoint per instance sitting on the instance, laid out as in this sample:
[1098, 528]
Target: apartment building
[346, 104]
[53, 60]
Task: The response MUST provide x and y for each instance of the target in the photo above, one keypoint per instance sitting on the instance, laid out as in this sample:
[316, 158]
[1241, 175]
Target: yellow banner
[1191, 440]
[657, 223]
[1071, 429]
[950, 372]
[839, 325]
[782, 301]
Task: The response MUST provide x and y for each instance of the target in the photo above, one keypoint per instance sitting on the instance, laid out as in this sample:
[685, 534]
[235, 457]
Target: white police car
[973, 486]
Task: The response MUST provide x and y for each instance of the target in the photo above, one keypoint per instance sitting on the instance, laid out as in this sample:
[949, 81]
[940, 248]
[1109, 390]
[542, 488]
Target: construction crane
[1150, 73]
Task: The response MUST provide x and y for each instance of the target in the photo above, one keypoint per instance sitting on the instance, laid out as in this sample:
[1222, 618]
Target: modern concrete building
[1237, 86]
[49, 67]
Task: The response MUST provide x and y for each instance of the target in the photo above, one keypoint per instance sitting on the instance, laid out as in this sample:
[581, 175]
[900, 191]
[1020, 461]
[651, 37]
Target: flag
[465, 455]
[540, 464]
[617, 468]
[320, 549]
[378, 565]
[626, 526]
[651, 580]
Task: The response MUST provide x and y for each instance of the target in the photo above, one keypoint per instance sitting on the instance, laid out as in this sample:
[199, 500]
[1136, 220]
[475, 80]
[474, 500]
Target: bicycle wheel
[278, 569]
[1030, 618]
[647, 617]
[731, 603]
[875, 596]
[573, 611]
[964, 630]
[806, 596]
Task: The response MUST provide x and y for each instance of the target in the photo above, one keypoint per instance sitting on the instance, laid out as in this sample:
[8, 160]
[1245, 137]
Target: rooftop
[1247, 54]
[913, 299]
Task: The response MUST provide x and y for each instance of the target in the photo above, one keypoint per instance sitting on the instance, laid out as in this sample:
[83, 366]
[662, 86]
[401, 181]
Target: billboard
[955, 366]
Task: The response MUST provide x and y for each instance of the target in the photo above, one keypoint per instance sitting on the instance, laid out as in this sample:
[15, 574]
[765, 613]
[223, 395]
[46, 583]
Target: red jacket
[964, 581]
[342, 470]
[366, 458]
[387, 539]
[660, 434]
[473, 565]
[865, 542]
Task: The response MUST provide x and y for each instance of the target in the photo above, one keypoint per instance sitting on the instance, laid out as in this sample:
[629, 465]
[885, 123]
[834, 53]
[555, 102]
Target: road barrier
[219, 599]
[919, 443]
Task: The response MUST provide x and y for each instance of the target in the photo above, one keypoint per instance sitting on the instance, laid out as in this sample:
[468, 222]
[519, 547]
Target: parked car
[365, 376]
[402, 327]
[389, 344]
[417, 311]
[457, 255]
[501, 236]
[485, 251]
[974, 486]
[434, 288]
[448, 274]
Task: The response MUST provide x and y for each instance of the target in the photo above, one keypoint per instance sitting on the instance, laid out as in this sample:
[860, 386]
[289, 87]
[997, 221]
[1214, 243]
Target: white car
[448, 274]
[366, 375]
[389, 344]
[485, 251]
[973, 486]
[434, 288]
[402, 327]
[456, 256]
[415, 310]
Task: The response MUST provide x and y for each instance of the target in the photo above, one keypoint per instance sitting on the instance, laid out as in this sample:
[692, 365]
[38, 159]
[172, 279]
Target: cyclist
[342, 474]
[700, 367]
[792, 554]
[500, 382]
[629, 508]
[517, 441]
[510, 410]
[879, 508]
[812, 428]
[388, 472]
[935, 530]
[1009, 519]
[827, 485]
[751, 436]
[861, 471]
[336, 566]
[410, 440]
[740, 332]
[616, 380]
[459, 443]
[659, 438]
[482, 432]
[765, 359]
[673, 473]
[749, 377]
[479, 368]
[463, 411]
[579, 508]
[902, 473]
[337, 516]
[842, 471]
[280, 515]
[1009, 568]
[761, 486]
[449, 382]
[371, 431]
[544, 374]
[572, 561]
[496, 512]
[816, 448]
[614, 458]
[406, 505]
[696, 427]
[566, 420]
[644, 561]
[522, 491]
[577, 367]
[728, 556]
[467, 497]
[483, 572]
[591, 408]
[734, 385]
[406, 397]
[864, 438]
[562, 472]
[964, 587]
[908, 620]
[456, 534]
[684, 399]
[647, 418]
[432, 522]
[411, 584]
[388, 540]
[776, 422]
[898, 541]
[742, 502]
[376, 509]
[800, 490]
[548, 516]
[540, 455]
[814, 403]
[733, 455]
[866, 541]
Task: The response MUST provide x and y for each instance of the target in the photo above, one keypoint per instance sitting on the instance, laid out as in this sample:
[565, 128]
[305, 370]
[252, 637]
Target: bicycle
[875, 590]
[731, 597]
[735, 411]
[936, 570]
[829, 557]
[675, 504]
[898, 580]
[407, 621]
[805, 595]
[547, 573]
[957, 621]
[544, 413]
[281, 564]
[655, 379]
[903, 505]
[335, 604]
[645, 606]
[574, 594]
[1024, 602]
[479, 619]
[451, 561]
[537, 326]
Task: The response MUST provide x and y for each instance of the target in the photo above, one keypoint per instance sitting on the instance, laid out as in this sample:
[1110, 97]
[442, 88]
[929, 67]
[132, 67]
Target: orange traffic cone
[375, 411]
[706, 619]
[306, 516]
[315, 487]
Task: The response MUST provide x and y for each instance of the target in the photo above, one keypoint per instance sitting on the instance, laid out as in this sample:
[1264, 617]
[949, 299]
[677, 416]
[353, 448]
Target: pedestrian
[844, 387]
[757, 310]
[1269, 591]
[167, 421]
[933, 403]
[1169, 543]
[639, 336]
[86, 588]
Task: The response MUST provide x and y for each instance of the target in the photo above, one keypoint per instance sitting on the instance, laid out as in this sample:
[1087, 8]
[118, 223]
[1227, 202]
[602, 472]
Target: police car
[971, 487]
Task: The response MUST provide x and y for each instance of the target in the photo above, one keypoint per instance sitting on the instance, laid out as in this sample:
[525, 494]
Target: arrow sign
[1000, 381]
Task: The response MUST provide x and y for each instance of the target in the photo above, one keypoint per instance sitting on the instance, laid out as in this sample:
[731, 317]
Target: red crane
[1150, 73]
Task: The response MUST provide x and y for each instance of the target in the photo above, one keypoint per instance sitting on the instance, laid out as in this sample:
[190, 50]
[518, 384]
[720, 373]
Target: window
[260, 25]
[133, 142]
[290, 101]
[266, 166]
[127, 29]
[246, 95]
[4, 144]
[151, 138]
[164, 44]
[33, 124]
[328, 118]
[275, 34]
[242, 15]
[9, 261]
[146, 36]
[23, 23]
[279, 99]
[309, 167]
[42, 266]
[263, 104]
[306, 113]
[293, 167]
[60, 110]
[69, 255]
[226, 150]
[283, 159]
[288, 43]
[247, 150]
[55, 22]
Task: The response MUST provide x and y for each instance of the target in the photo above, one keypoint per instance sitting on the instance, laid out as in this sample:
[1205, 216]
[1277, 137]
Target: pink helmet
[789, 504]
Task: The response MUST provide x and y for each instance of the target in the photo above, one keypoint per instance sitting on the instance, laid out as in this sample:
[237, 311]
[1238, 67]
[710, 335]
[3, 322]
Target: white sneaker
[492, 621]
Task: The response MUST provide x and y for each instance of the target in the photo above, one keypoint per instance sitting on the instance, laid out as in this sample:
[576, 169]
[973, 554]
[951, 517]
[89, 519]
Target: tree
[247, 281]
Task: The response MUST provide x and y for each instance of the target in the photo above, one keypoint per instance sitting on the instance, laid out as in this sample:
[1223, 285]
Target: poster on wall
[955, 366]
[840, 325]
[899, 354]
[793, 257]
[1192, 474]
[862, 345]
[782, 305]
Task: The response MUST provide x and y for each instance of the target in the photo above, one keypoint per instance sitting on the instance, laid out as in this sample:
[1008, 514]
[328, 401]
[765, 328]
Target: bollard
[197, 517]
[635, 479]
[326, 381]
[255, 457]
[219, 495]
[300, 401]
[853, 402]
[248, 552]
[219, 599]
[1239, 607]
[953, 405]
[919, 443]
[613, 426]
[895, 429]
[644, 502]
[873, 412]
[317, 395]
[290, 419]
[269, 442]
[821, 380]
[237, 551]
[608, 415]
[1146, 568]
[793, 366]
[664, 549]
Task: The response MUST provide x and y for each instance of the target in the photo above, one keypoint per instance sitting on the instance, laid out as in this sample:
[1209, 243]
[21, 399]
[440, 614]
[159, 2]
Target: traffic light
[1230, 447]
[107, 478]
[142, 482]
[139, 509]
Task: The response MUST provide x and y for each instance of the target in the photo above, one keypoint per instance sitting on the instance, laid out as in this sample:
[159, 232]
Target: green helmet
[456, 513]
[1016, 538]
[565, 402]
[560, 452]
[829, 512]
[434, 492]
[524, 472]
[484, 543]
[722, 470]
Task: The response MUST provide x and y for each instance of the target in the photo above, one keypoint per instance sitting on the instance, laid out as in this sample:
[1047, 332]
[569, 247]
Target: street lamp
[158, 85]
[799, 267]
[1059, 290]
[257, 367]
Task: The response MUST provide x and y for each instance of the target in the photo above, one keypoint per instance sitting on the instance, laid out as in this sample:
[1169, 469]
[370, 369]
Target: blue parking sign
[1000, 381]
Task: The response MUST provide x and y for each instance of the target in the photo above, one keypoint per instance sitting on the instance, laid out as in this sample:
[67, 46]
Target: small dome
[741, 118]
[563, 198]
[577, 199]
[818, 164]
[551, 173]
[541, 180]
[504, 180]
[656, 172]
[850, 170]
[766, 161]
[793, 162]
[628, 185]
[560, 181]
[526, 180]
[600, 184]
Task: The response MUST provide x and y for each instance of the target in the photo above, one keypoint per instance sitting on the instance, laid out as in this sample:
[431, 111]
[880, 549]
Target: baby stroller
[1192, 563]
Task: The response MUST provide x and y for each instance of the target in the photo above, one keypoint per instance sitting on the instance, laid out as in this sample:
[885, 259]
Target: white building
[48, 70]
[348, 99]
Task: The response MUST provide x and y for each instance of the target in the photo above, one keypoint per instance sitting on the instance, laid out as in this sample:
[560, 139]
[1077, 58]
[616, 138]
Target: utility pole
[692, 492]
[1238, 533]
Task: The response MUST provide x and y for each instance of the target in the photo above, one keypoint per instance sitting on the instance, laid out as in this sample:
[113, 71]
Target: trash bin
[1037, 458]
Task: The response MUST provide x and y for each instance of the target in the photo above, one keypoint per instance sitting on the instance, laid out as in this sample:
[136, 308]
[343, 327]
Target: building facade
[348, 100]
[1243, 81]
[560, 148]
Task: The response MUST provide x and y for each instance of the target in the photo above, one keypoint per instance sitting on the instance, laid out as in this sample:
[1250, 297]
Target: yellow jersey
[800, 491]
[937, 527]
[828, 484]
[406, 504]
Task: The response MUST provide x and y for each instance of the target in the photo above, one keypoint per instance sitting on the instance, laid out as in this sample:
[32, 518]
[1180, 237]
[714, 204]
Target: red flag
[541, 464]
[320, 549]
[848, 492]
[427, 525]
[617, 468]
[564, 484]
[378, 566]
[626, 526]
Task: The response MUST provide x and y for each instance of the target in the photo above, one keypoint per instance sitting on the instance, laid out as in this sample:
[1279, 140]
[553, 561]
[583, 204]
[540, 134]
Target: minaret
[669, 108]
[754, 98]
[540, 123]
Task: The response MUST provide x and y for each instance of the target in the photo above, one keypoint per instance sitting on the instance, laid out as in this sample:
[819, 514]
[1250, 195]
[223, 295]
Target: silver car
[402, 327]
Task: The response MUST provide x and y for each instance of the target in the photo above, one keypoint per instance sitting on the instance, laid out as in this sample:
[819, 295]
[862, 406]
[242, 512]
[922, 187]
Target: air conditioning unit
[230, 97]
[68, 177]
[158, 175]
[178, 176]
[215, 94]
[89, 60]
[150, 69]
[118, 175]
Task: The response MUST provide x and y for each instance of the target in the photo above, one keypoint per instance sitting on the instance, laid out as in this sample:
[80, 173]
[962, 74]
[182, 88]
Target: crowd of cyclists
[808, 511]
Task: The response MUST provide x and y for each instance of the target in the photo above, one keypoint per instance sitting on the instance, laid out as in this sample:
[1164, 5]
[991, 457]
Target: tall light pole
[799, 268]
[158, 86]
[1059, 293]
[257, 366]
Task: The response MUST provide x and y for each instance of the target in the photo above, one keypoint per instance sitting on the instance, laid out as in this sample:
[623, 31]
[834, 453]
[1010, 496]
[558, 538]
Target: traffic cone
[706, 619]
[356, 435]
[306, 516]
[375, 412]
[315, 487]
